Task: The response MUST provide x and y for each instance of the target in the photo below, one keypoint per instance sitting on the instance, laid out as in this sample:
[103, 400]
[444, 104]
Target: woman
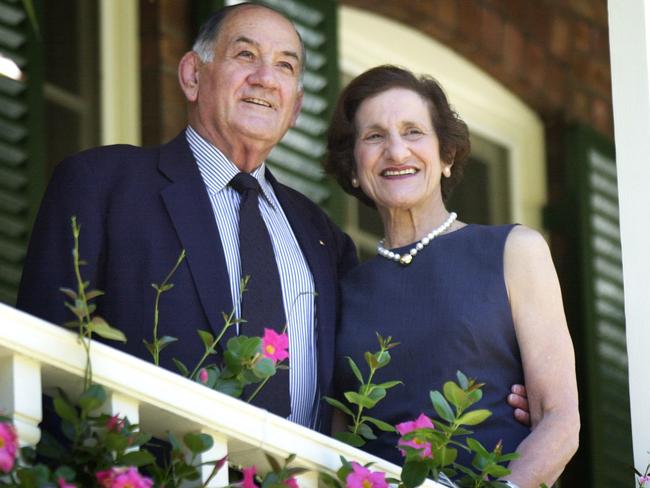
[481, 299]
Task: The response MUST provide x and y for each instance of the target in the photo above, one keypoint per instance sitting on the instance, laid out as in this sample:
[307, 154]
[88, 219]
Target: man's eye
[245, 54]
[287, 66]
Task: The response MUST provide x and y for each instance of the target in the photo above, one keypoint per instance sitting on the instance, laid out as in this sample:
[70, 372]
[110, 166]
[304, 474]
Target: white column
[629, 37]
[218, 451]
[120, 72]
[20, 396]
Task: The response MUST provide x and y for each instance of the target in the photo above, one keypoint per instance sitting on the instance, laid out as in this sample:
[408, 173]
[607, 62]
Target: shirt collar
[217, 170]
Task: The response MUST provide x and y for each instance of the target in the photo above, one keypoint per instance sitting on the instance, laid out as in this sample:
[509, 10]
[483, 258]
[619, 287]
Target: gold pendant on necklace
[405, 259]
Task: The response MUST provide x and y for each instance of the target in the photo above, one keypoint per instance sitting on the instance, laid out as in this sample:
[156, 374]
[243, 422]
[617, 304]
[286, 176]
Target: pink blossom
[291, 482]
[274, 345]
[249, 478]
[8, 446]
[115, 423]
[643, 480]
[362, 477]
[122, 477]
[203, 376]
[405, 427]
[62, 483]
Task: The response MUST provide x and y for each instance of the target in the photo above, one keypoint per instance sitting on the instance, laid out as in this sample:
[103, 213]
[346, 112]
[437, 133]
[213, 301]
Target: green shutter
[601, 341]
[21, 175]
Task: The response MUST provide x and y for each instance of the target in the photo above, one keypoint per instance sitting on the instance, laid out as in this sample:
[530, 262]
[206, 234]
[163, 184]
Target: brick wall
[554, 54]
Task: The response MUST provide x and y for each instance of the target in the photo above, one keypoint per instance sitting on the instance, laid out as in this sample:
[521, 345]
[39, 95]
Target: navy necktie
[262, 306]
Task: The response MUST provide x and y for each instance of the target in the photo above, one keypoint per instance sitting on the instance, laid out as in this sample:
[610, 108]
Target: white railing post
[218, 451]
[20, 396]
[308, 479]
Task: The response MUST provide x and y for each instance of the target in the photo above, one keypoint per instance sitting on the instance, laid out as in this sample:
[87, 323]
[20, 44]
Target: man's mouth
[399, 172]
[257, 101]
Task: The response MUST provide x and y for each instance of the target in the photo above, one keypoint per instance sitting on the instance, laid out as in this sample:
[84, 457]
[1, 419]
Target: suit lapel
[189, 208]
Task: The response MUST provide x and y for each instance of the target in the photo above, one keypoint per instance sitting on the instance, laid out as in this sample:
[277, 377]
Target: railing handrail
[181, 404]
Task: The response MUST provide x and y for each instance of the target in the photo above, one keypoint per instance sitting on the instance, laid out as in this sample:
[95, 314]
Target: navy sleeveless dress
[449, 311]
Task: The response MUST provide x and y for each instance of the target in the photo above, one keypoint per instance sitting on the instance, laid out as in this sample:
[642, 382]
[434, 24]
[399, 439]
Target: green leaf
[337, 404]
[182, 369]
[377, 394]
[164, 341]
[497, 471]
[275, 465]
[264, 368]
[101, 328]
[414, 473]
[77, 311]
[207, 338]
[65, 410]
[230, 387]
[94, 294]
[389, 384]
[349, 438]
[371, 360]
[462, 380]
[93, 398]
[366, 432]
[448, 456]
[69, 293]
[477, 447]
[136, 458]
[474, 417]
[355, 369]
[441, 406]
[456, 396]
[380, 424]
[361, 400]
[197, 443]
[383, 358]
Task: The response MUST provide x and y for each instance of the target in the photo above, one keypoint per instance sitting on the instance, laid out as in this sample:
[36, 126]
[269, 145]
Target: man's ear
[296, 109]
[188, 75]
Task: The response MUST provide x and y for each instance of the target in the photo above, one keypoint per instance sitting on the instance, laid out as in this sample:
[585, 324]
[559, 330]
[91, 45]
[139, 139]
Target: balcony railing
[36, 356]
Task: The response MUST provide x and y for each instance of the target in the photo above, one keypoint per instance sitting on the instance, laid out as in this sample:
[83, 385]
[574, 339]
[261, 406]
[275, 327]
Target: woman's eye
[414, 132]
[373, 137]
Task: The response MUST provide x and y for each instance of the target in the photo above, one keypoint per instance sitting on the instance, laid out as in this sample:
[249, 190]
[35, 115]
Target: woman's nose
[396, 148]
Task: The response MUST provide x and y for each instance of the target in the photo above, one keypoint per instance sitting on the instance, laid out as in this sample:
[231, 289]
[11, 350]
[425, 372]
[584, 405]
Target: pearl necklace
[407, 257]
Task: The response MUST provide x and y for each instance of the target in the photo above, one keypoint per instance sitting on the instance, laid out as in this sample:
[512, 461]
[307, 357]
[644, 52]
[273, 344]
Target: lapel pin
[321, 242]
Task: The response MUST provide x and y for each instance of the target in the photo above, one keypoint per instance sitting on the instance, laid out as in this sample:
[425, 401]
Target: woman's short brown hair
[452, 133]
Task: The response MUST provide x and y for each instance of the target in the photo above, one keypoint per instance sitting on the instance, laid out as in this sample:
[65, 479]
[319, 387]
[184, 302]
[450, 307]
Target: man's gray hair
[204, 44]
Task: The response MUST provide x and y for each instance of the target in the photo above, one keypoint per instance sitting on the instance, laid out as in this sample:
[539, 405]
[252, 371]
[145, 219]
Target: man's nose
[263, 75]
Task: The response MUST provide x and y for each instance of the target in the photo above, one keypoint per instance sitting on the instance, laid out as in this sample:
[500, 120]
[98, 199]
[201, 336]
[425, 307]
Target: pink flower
[249, 478]
[115, 423]
[203, 376]
[405, 427]
[274, 345]
[8, 446]
[643, 480]
[291, 482]
[62, 483]
[361, 477]
[122, 477]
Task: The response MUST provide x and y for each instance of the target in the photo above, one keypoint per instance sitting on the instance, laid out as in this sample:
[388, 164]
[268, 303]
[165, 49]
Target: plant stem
[85, 331]
[160, 291]
[366, 391]
[229, 323]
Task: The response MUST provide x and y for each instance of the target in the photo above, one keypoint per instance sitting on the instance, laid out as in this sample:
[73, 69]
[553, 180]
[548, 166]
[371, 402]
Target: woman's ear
[188, 75]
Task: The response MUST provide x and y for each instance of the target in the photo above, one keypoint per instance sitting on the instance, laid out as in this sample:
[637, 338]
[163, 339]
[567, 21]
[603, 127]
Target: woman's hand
[518, 399]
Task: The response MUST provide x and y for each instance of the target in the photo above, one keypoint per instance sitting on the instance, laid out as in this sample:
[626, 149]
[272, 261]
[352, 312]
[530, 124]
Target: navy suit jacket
[138, 208]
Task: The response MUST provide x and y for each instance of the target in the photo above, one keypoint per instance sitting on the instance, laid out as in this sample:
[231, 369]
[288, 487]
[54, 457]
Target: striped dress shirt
[298, 291]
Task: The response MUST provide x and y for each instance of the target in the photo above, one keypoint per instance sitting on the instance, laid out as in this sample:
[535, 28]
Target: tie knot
[243, 182]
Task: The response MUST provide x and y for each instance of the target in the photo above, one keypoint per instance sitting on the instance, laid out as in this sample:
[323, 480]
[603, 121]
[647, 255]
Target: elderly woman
[482, 299]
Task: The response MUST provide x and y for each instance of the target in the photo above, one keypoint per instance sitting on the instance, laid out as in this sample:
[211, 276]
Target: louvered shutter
[601, 341]
[296, 160]
[21, 174]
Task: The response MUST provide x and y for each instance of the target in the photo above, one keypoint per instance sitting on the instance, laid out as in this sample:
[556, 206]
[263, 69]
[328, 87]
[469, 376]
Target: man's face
[250, 92]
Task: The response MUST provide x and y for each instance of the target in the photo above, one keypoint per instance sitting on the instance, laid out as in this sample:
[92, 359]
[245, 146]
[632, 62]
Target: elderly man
[139, 207]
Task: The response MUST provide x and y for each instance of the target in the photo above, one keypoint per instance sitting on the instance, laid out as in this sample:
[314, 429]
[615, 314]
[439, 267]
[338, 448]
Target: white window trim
[119, 72]
[367, 40]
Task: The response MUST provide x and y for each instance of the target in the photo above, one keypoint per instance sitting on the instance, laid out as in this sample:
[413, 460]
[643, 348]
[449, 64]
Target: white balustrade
[36, 356]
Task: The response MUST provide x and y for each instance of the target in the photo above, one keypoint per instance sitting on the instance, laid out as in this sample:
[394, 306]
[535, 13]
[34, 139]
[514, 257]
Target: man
[139, 207]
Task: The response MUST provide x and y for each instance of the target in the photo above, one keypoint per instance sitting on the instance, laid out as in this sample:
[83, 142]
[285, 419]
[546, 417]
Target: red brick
[555, 87]
[445, 12]
[534, 64]
[579, 107]
[491, 32]
[601, 116]
[559, 37]
[470, 26]
[582, 36]
[513, 47]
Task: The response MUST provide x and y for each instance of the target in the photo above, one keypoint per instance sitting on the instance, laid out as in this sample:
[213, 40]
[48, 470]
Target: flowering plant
[643, 479]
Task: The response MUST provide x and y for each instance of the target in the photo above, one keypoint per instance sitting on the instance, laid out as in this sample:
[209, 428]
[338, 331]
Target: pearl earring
[355, 182]
[446, 171]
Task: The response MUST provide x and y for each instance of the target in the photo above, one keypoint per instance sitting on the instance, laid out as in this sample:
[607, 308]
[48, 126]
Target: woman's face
[396, 152]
